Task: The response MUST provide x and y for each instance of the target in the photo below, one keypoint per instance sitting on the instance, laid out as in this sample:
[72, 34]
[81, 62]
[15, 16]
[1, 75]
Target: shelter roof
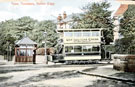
[26, 41]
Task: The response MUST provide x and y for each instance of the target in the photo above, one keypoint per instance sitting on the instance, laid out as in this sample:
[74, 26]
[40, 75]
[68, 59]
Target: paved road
[41, 75]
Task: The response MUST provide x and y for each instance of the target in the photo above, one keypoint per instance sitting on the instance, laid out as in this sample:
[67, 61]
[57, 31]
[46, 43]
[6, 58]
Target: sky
[16, 9]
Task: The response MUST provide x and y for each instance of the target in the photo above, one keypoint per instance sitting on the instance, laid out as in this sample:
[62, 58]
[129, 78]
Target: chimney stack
[64, 15]
[59, 18]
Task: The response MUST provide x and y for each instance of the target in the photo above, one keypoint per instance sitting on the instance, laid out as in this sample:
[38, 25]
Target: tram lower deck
[82, 52]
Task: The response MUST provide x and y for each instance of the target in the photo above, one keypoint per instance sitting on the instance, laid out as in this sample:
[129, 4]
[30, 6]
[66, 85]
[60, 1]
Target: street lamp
[10, 49]
[45, 33]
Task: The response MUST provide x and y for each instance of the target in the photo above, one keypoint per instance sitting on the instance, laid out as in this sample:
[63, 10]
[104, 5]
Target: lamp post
[7, 54]
[105, 48]
[45, 47]
[7, 50]
[10, 49]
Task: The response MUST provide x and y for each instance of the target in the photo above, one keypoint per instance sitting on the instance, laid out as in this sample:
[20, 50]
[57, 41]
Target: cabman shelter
[25, 51]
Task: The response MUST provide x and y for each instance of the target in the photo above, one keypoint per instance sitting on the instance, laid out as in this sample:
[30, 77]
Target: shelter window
[30, 46]
[17, 52]
[22, 52]
[29, 52]
[23, 46]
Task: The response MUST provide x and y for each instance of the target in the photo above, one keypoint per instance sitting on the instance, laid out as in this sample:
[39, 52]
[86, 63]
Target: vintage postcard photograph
[67, 43]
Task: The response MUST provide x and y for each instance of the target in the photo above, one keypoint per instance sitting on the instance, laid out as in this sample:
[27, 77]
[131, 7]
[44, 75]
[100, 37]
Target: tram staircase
[58, 56]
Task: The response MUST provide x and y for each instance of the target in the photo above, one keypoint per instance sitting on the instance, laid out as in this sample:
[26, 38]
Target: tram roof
[91, 29]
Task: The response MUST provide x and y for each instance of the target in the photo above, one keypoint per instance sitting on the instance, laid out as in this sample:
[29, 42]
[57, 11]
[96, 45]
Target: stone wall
[124, 62]
[1, 57]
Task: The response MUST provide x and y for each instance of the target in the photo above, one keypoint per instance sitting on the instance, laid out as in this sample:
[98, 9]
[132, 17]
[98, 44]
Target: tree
[127, 30]
[14, 30]
[96, 15]
[51, 37]
[6, 37]
[25, 25]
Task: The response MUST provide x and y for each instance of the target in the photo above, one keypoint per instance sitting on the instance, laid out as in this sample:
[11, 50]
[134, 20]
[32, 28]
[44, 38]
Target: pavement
[3, 62]
[109, 73]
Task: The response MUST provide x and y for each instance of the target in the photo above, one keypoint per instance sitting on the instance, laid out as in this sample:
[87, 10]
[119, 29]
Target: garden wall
[124, 62]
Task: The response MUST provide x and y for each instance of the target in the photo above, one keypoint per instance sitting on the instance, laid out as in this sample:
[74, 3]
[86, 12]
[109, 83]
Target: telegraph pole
[45, 47]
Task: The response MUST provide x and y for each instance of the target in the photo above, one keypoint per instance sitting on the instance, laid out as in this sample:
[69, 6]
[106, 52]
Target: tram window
[69, 49]
[87, 48]
[68, 34]
[77, 34]
[95, 33]
[86, 34]
[95, 48]
[77, 48]
[84, 49]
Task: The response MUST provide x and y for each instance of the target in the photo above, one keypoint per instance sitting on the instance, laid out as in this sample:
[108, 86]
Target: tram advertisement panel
[82, 40]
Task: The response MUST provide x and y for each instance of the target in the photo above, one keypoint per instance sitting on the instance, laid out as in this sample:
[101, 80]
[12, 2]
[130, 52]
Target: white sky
[45, 12]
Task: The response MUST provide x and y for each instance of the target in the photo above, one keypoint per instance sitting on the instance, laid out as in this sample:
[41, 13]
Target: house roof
[67, 19]
[126, 1]
[121, 10]
[25, 41]
[70, 18]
